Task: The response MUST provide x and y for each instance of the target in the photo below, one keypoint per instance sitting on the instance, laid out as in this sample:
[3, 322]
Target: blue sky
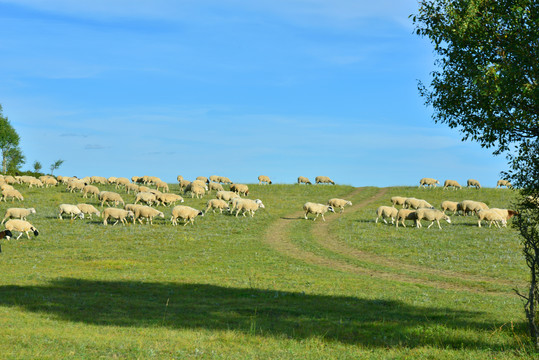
[235, 88]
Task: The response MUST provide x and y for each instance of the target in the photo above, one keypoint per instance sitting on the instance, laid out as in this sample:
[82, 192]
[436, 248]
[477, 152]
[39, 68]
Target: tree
[487, 88]
[55, 165]
[12, 157]
[37, 166]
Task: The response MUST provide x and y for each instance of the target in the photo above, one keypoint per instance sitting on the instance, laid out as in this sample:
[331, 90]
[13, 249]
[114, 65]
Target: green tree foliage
[486, 86]
[37, 166]
[12, 157]
[55, 165]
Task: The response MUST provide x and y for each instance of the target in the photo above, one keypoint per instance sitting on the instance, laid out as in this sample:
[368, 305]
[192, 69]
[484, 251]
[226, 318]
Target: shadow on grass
[351, 320]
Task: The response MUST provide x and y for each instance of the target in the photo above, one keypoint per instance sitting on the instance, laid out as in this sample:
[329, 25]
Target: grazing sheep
[492, 216]
[386, 212]
[203, 179]
[148, 213]
[10, 180]
[452, 183]
[449, 205]
[143, 188]
[137, 179]
[50, 181]
[106, 196]
[263, 179]
[21, 226]
[214, 178]
[406, 214]
[118, 214]
[224, 180]
[90, 189]
[72, 210]
[426, 182]
[215, 186]
[217, 204]
[168, 199]
[506, 214]
[473, 183]
[184, 184]
[248, 206]
[11, 193]
[200, 183]
[121, 181]
[146, 197]
[471, 206]
[318, 209]
[240, 189]
[35, 182]
[431, 215]
[89, 210]
[112, 180]
[197, 191]
[132, 187]
[339, 203]
[505, 183]
[6, 187]
[18, 213]
[75, 184]
[162, 185]
[132, 207]
[398, 200]
[185, 213]
[324, 180]
[304, 180]
[226, 195]
[98, 180]
[413, 203]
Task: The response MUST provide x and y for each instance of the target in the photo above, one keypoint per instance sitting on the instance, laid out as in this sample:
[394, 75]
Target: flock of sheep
[418, 209]
[149, 191]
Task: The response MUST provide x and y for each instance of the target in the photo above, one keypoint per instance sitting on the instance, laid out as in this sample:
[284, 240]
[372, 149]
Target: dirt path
[277, 238]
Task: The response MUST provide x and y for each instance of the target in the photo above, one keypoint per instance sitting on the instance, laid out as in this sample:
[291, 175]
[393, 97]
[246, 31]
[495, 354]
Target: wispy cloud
[95, 147]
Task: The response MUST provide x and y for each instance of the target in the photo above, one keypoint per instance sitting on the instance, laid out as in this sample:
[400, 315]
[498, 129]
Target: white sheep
[98, 180]
[143, 188]
[450, 206]
[224, 180]
[179, 178]
[90, 189]
[398, 200]
[405, 214]
[471, 206]
[132, 188]
[506, 214]
[21, 226]
[264, 179]
[473, 183]
[146, 197]
[505, 183]
[148, 213]
[118, 214]
[162, 185]
[200, 183]
[426, 182]
[492, 216]
[303, 180]
[452, 183]
[413, 203]
[324, 180]
[184, 184]
[386, 212]
[168, 199]
[75, 184]
[18, 213]
[186, 213]
[240, 189]
[106, 196]
[248, 206]
[72, 210]
[13, 194]
[318, 209]
[216, 204]
[121, 181]
[197, 191]
[88, 210]
[50, 181]
[431, 215]
[203, 179]
[339, 203]
[226, 195]
[215, 186]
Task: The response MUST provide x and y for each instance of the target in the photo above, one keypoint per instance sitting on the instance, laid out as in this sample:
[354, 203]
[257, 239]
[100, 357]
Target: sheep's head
[448, 219]
[32, 210]
[81, 215]
[8, 234]
[200, 213]
[511, 213]
[349, 203]
[161, 215]
[36, 233]
[330, 208]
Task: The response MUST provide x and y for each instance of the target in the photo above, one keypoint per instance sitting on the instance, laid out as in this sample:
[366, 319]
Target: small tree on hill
[37, 166]
[55, 165]
[487, 86]
[12, 157]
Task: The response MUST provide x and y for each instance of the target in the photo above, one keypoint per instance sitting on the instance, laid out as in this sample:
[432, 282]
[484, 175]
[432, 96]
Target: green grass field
[273, 286]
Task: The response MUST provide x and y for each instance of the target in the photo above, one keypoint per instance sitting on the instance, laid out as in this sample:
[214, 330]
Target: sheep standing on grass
[226, 195]
[146, 197]
[203, 179]
[21, 226]
[492, 216]
[386, 212]
[471, 206]
[88, 210]
[186, 213]
[106, 196]
[248, 206]
[304, 180]
[406, 214]
[214, 178]
[318, 209]
[72, 210]
[240, 189]
[450, 206]
[413, 203]
[118, 214]
[197, 191]
[473, 183]
[452, 183]
[263, 179]
[18, 213]
[216, 204]
[224, 180]
[505, 183]
[50, 181]
[90, 189]
[184, 184]
[132, 188]
[324, 180]
[13, 194]
[339, 203]
[148, 213]
[431, 215]
[162, 185]
[168, 199]
[215, 186]
[426, 182]
[398, 200]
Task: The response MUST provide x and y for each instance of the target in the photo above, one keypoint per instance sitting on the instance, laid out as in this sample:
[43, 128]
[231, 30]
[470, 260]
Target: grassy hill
[272, 286]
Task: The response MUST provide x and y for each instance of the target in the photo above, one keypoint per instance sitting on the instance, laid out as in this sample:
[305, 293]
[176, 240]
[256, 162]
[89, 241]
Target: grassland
[273, 286]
